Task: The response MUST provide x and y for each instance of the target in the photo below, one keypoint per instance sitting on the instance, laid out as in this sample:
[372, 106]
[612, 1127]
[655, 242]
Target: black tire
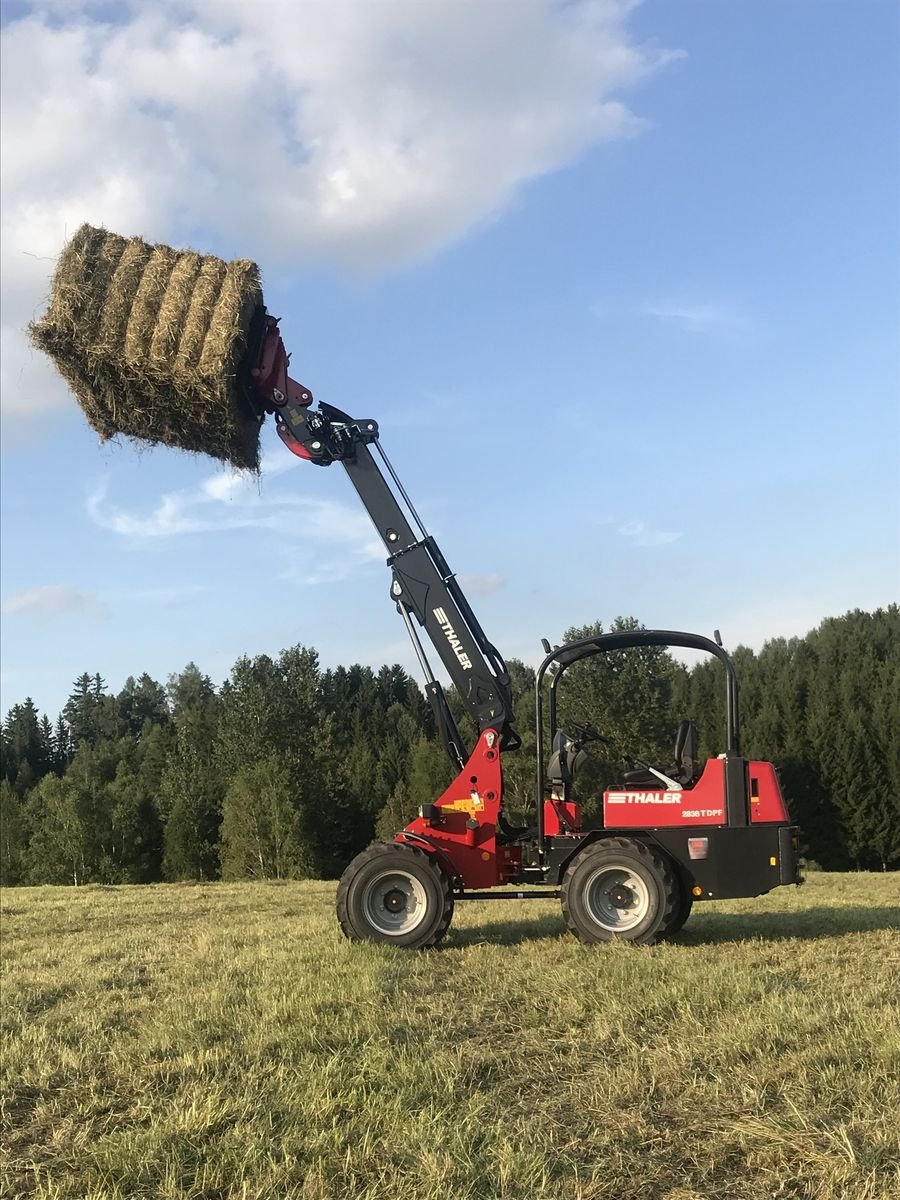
[396, 894]
[619, 889]
[681, 914]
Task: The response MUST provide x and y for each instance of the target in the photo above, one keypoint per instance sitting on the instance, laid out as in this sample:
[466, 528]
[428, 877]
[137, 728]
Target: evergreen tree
[190, 793]
[12, 836]
[277, 707]
[190, 690]
[139, 703]
[81, 710]
[61, 745]
[27, 751]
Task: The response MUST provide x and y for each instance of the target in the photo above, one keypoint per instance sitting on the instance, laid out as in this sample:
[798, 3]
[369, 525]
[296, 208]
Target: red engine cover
[703, 804]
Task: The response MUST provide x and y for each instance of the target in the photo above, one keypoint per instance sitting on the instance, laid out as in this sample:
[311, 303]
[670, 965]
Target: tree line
[288, 770]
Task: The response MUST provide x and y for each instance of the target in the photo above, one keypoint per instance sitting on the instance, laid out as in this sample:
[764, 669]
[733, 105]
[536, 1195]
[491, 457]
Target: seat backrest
[687, 745]
[564, 759]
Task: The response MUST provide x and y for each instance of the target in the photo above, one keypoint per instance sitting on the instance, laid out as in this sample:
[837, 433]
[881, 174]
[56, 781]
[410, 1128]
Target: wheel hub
[395, 901]
[617, 898]
[621, 897]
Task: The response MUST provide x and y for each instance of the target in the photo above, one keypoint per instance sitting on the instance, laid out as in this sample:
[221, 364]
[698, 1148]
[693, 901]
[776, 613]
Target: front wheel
[619, 889]
[396, 894]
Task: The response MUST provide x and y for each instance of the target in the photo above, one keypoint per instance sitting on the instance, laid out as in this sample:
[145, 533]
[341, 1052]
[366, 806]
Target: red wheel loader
[671, 835]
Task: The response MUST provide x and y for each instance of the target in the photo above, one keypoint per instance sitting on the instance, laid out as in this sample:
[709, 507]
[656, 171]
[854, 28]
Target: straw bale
[173, 309]
[202, 305]
[145, 307]
[151, 339]
[120, 296]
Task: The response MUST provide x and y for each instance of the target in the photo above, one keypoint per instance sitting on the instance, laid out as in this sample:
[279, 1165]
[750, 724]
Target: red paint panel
[766, 800]
[561, 817]
[703, 804]
[473, 795]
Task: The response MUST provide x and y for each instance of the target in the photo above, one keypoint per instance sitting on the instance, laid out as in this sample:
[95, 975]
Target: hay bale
[150, 340]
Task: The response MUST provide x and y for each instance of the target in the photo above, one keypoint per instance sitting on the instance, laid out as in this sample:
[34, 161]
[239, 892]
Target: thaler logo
[450, 634]
[643, 797]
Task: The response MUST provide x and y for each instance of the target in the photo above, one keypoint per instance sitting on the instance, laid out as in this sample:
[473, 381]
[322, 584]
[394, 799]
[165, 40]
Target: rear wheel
[396, 894]
[619, 889]
[682, 912]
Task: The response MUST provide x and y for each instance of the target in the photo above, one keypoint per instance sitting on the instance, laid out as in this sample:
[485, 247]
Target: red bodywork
[460, 828]
[463, 828]
[561, 816]
[703, 804]
[766, 801]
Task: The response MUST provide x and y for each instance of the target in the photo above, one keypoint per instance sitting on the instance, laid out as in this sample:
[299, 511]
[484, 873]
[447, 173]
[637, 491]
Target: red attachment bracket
[271, 376]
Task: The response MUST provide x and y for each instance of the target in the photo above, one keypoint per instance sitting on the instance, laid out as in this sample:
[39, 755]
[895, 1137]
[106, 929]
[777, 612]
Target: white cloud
[480, 584]
[222, 503]
[52, 600]
[361, 134]
[642, 534]
[703, 318]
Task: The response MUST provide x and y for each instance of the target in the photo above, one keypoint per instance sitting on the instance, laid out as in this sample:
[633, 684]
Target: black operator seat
[566, 756]
[687, 746]
[684, 770]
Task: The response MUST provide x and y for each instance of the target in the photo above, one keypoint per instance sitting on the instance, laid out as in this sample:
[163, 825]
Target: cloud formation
[641, 534]
[358, 134]
[52, 600]
[480, 584]
[222, 503]
[702, 318]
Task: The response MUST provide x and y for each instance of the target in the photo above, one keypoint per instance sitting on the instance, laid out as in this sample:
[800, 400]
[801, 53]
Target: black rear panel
[725, 863]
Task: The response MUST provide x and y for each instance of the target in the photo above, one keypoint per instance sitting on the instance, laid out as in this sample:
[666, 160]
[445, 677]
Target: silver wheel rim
[395, 903]
[616, 897]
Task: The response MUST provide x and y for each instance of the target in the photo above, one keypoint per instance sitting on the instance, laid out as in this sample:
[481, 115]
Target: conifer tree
[12, 836]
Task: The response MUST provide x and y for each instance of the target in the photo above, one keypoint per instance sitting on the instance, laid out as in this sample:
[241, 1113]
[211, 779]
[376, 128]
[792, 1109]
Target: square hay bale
[151, 339]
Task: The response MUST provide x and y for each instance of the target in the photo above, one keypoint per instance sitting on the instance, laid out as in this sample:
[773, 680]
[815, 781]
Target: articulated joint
[324, 436]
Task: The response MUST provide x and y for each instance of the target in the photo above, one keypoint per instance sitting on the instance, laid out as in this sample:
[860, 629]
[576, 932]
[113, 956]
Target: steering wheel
[587, 733]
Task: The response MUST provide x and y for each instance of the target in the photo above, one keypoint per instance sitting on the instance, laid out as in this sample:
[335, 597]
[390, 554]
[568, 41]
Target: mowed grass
[225, 1041]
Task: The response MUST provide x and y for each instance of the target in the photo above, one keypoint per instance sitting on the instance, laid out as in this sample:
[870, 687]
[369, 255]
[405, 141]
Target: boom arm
[422, 586]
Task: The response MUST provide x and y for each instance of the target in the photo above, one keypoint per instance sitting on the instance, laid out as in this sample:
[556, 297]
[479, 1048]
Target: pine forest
[287, 770]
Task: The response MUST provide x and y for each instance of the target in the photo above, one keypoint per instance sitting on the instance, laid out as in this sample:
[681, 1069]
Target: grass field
[224, 1041]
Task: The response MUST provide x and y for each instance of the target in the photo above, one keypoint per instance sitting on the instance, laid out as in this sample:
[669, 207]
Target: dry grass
[150, 340]
[224, 1041]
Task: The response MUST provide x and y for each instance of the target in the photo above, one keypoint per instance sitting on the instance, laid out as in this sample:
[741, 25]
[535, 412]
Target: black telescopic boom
[422, 586]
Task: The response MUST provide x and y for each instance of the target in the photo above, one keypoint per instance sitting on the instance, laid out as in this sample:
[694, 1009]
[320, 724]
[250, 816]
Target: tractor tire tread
[656, 862]
[386, 849]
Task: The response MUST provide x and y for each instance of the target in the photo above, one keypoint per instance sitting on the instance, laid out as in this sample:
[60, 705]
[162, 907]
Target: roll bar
[563, 657]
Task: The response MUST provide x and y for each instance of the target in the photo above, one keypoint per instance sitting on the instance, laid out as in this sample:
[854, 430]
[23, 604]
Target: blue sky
[619, 283]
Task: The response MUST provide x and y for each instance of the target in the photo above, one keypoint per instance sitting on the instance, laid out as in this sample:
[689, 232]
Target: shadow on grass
[705, 928]
[809, 924]
[507, 933]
